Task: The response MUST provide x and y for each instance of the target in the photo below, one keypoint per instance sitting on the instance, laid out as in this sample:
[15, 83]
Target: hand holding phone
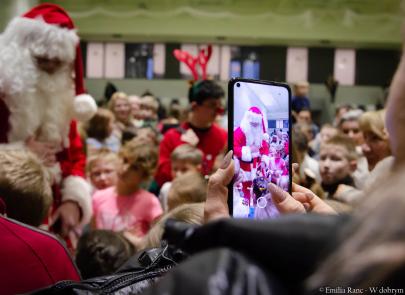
[259, 128]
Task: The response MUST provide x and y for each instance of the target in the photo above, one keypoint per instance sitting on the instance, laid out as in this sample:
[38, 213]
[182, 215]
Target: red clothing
[31, 259]
[211, 142]
[248, 160]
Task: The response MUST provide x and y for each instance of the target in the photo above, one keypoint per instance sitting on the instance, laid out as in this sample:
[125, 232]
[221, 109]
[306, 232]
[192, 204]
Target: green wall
[358, 23]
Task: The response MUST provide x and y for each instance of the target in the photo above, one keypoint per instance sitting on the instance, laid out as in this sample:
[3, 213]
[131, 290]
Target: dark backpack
[137, 274]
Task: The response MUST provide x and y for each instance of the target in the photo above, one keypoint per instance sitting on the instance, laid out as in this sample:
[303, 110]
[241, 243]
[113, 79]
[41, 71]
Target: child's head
[337, 159]
[187, 188]
[24, 186]
[376, 144]
[102, 169]
[185, 158]
[138, 163]
[349, 125]
[327, 132]
[100, 125]
[149, 108]
[192, 213]
[301, 89]
[102, 252]
[120, 106]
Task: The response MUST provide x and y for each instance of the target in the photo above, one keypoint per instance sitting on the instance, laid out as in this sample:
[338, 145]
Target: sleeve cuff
[77, 189]
[246, 154]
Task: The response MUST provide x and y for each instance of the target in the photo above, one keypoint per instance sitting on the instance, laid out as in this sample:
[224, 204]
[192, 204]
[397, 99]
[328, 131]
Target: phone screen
[260, 121]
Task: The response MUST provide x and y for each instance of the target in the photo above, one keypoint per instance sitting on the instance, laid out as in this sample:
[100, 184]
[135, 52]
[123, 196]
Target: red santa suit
[43, 106]
[245, 138]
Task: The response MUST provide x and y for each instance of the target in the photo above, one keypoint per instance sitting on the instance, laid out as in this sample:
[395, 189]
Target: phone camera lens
[237, 84]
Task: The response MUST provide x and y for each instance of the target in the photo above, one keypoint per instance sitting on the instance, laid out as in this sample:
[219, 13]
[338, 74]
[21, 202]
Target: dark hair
[102, 252]
[128, 134]
[98, 126]
[205, 89]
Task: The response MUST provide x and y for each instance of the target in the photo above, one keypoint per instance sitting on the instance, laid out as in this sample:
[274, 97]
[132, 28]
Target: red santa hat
[47, 30]
[255, 115]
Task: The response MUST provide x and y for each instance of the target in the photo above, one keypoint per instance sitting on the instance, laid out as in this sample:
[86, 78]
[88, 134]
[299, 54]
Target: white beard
[55, 94]
[254, 136]
[44, 110]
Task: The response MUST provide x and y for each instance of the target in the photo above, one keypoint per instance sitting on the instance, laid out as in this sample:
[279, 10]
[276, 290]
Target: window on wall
[244, 62]
[119, 60]
[139, 61]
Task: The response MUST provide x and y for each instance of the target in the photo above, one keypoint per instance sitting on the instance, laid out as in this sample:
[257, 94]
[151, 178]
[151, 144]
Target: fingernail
[227, 160]
[309, 196]
[277, 193]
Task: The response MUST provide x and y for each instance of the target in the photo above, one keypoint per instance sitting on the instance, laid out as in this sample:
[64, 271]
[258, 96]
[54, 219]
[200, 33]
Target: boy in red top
[200, 130]
[30, 258]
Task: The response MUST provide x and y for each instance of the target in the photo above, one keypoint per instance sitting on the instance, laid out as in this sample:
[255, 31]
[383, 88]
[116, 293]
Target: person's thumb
[225, 174]
[283, 201]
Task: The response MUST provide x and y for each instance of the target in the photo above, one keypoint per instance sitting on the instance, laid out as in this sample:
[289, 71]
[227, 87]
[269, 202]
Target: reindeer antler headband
[201, 59]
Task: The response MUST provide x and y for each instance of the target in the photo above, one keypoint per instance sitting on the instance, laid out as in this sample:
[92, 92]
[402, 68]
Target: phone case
[257, 170]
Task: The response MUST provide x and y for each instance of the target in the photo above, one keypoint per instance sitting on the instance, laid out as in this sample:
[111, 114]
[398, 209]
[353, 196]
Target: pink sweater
[134, 212]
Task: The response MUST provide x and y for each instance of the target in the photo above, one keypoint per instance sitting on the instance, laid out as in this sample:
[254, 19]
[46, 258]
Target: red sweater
[212, 141]
[31, 259]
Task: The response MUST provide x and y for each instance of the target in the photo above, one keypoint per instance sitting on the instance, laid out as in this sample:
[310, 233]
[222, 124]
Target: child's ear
[353, 165]
[193, 105]
[199, 167]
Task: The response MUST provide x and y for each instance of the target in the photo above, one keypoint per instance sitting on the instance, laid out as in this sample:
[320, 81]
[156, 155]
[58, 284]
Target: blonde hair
[116, 96]
[25, 186]
[374, 122]
[187, 188]
[102, 154]
[189, 213]
[141, 154]
[188, 153]
[149, 102]
[344, 141]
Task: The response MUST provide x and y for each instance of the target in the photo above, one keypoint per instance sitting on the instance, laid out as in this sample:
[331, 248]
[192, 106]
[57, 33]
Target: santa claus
[251, 148]
[41, 95]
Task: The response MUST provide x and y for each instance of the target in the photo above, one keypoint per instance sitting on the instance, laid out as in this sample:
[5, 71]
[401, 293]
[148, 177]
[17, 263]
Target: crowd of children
[143, 168]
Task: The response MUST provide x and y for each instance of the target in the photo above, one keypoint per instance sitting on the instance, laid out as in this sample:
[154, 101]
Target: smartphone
[259, 129]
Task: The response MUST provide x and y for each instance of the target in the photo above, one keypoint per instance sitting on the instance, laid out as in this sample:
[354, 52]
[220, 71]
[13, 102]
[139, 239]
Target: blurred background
[355, 43]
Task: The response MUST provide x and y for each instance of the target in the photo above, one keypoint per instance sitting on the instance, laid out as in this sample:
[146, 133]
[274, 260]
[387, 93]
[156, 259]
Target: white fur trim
[246, 154]
[266, 159]
[42, 39]
[84, 107]
[254, 117]
[77, 189]
[266, 137]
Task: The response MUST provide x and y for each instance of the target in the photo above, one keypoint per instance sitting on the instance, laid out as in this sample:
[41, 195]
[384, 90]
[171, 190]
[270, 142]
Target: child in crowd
[376, 140]
[25, 187]
[121, 108]
[100, 132]
[337, 162]
[126, 206]
[102, 252]
[190, 187]
[149, 108]
[191, 213]
[183, 158]
[102, 168]
[350, 125]
[30, 258]
[326, 133]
